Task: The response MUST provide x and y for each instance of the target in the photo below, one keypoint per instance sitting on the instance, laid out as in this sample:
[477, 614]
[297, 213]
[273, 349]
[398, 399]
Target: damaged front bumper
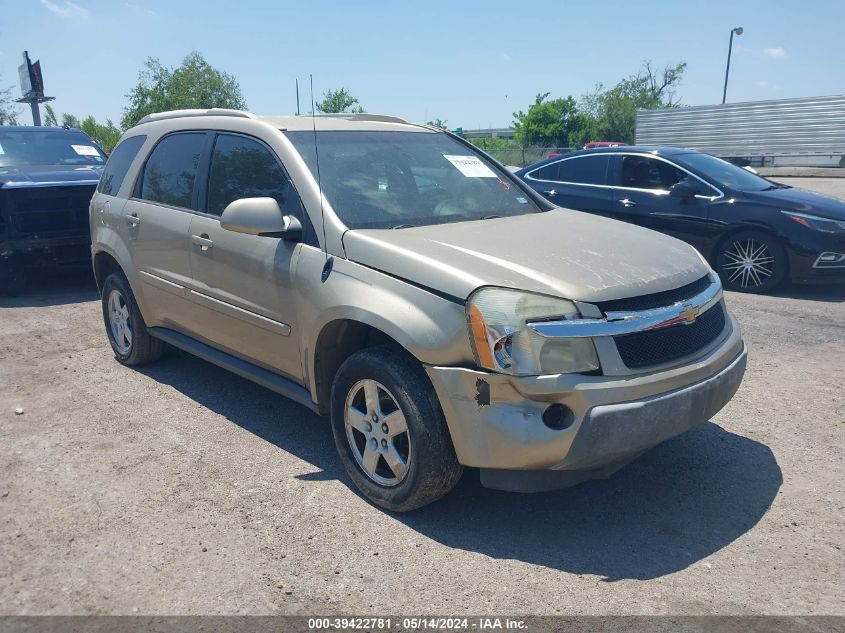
[17, 256]
[496, 420]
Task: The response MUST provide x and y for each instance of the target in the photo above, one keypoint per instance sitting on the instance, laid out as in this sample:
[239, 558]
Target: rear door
[155, 222]
[106, 208]
[243, 283]
[579, 182]
[641, 185]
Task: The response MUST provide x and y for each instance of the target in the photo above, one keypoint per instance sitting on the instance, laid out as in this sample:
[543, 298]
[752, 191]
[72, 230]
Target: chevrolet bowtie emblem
[688, 316]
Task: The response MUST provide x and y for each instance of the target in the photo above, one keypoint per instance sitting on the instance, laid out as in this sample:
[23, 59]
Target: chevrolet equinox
[396, 279]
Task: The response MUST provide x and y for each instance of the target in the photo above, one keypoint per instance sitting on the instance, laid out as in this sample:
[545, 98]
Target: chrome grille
[664, 345]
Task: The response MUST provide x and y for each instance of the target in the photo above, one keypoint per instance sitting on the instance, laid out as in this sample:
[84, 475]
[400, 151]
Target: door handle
[132, 219]
[202, 241]
[551, 193]
[625, 202]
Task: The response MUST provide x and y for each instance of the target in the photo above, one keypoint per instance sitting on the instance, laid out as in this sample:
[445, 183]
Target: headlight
[498, 318]
[826, 225]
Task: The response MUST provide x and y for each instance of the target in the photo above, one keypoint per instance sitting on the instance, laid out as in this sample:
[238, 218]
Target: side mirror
[684, 190]
[260, 216]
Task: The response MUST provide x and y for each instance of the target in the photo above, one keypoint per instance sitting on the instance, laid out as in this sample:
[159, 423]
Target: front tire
[125, 326]
[390, 431]
[751, 261]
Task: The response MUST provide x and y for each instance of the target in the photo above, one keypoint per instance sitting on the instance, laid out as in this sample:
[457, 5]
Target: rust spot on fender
[482, 392]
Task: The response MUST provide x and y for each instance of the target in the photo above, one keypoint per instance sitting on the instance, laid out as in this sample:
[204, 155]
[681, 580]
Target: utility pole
[32, 87]
[738, 31]
[297, 97]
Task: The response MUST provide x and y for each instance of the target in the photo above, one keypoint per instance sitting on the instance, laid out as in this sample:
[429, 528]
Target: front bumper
[804, 264]
[34, 252]
[496, 420]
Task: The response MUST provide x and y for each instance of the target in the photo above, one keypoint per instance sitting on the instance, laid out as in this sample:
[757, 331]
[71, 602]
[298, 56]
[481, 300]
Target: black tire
[764, 251]
[432, 467]
[141, 348]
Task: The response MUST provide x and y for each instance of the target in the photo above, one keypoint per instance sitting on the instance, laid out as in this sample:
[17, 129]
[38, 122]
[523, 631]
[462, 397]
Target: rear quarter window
[118, 164]
[548, 172]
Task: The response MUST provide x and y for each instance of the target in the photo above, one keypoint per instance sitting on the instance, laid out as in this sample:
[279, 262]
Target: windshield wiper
[403, 226]
[490, 217]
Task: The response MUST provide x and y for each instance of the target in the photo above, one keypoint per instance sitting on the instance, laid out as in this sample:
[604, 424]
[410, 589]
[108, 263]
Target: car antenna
[327, 267]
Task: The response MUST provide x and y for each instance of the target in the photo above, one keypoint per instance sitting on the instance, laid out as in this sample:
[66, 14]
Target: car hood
[793, 199]
[42, 175]
[561, 252]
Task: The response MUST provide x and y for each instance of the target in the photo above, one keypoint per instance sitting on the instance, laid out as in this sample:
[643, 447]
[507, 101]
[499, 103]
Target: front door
[242, 283]
[641, 196]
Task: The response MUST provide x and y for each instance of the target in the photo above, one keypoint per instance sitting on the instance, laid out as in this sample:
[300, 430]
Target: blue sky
[471, 63]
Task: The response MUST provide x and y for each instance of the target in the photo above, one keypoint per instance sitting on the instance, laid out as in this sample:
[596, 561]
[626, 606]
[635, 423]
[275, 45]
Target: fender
[430, 327]
[107, 241]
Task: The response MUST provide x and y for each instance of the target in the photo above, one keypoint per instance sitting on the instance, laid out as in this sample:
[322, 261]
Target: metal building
[805, 131]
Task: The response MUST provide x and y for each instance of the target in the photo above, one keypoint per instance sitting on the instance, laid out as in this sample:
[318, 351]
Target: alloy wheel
[748, 263]
[377, 433]
[119, 322]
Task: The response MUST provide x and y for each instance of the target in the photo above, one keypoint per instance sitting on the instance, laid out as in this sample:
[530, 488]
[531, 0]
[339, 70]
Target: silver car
[396, 279]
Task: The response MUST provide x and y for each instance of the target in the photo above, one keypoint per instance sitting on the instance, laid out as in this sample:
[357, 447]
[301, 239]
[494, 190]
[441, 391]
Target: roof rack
[360, 116]
[177, 114]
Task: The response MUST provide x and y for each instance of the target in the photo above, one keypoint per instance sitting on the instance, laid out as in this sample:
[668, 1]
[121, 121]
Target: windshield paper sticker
[85, 150]
[470, 166]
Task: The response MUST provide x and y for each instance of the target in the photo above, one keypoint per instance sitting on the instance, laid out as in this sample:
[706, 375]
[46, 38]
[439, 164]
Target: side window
[547, 172]
[585, 170]
[642, 172]
[171, 169]
[242, 167]
[118, 165]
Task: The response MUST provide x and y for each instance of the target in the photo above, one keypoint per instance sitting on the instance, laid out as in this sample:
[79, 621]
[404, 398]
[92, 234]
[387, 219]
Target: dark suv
[754, 232]
[47, 178]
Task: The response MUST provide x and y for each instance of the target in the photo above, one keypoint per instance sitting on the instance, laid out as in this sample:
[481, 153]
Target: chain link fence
[518, 156]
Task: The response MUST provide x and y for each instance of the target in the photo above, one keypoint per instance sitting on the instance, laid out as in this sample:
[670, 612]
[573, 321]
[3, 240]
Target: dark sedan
[754, 232]
[47, 178]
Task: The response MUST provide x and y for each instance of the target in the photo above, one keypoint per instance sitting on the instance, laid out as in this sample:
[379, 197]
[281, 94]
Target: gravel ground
[183, 489]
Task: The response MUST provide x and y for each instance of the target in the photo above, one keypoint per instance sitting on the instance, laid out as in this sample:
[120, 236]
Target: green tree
[549, 123]
[70, 120]
[440, 124]
[335, 101]
[50, 116]
[106, 135]
[614, 110]
[194, 84]
[8, 110]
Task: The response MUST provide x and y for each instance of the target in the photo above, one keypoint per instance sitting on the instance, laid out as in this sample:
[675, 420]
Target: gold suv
[397, 279]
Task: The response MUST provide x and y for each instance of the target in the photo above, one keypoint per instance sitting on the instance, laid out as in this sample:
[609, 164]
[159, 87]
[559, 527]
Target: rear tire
[751, 261]
[125, 326]
[390, 431]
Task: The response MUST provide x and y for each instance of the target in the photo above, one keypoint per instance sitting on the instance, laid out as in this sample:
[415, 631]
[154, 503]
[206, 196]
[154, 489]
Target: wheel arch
[749, 228]
[338, 340]
[104, 265]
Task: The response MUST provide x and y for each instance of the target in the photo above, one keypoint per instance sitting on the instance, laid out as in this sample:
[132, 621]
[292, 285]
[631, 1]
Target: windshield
[400, 179]
[49, 146]
[725, 173]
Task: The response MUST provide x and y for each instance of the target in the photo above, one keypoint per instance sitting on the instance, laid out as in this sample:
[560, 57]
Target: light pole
[738, 31]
